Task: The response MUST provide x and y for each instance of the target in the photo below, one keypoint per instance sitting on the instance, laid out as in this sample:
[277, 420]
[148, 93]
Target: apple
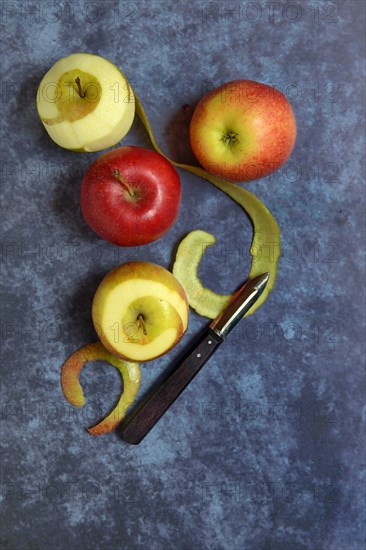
[130, 196]
[140, 311]
[85, 103]
[243, 130]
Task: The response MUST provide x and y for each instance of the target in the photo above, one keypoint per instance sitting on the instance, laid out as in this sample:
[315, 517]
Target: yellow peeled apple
[140, 311]
[85, 103]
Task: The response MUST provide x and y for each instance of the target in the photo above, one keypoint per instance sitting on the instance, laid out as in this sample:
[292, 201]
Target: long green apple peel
[265, 247]
[189, 254]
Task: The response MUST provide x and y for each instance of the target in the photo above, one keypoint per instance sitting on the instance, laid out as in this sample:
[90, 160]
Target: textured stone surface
[264, 450]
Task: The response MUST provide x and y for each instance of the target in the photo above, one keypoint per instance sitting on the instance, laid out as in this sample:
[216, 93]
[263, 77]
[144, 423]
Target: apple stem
[140, 319]
[80, 90]
[118, 176]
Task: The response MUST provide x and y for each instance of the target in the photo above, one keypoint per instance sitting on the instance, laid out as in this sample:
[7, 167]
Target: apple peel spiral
[265, 247]
[73, 391]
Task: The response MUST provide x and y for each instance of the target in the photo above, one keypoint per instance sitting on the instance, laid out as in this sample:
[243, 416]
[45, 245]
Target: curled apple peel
[189, 254]
[265, 247]
[73, 391]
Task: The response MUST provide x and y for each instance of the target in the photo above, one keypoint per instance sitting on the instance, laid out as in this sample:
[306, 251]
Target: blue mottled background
[265, 449]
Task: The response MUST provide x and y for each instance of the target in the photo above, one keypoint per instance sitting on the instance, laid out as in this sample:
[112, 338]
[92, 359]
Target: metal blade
[240, 304]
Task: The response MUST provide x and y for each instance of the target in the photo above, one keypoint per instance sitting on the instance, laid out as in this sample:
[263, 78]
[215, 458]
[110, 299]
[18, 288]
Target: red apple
[243, 130]
[130, 196]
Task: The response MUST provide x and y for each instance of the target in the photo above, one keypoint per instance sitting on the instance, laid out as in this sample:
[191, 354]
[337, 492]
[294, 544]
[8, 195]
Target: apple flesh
[85, 103]
[243, 130]
[130, 196]
[140, 311]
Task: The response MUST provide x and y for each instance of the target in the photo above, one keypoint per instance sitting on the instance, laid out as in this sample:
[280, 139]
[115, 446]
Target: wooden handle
[145, 418]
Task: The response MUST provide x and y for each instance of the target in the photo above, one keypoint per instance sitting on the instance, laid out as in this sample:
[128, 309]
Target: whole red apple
[243, 130]
[130, 196]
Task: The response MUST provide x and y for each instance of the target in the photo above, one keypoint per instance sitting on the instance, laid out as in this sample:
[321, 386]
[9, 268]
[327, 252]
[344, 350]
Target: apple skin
[243, 130]
[140, 311]
[131, 196]
[73, 391]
